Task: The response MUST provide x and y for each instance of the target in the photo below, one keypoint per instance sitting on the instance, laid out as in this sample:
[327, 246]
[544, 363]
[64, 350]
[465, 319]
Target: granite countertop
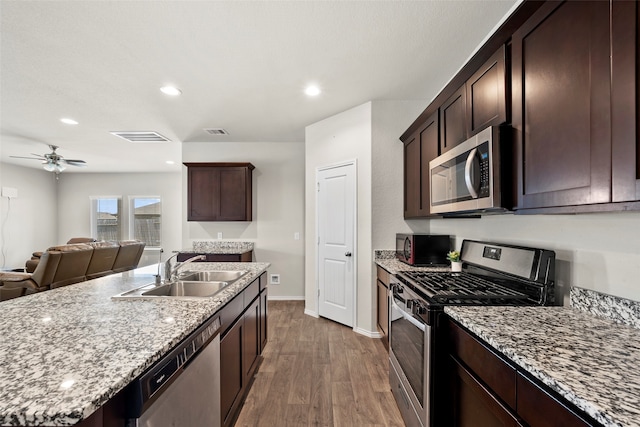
[387, 260]
[65, 352]
[219, 247]
[591, 361]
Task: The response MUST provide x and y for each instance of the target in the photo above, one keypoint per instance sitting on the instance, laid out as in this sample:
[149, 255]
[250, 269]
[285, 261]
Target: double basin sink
[190, 284]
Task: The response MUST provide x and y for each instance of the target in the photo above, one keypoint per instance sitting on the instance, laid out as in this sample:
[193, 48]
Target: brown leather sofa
[31, 264]
[67, 264]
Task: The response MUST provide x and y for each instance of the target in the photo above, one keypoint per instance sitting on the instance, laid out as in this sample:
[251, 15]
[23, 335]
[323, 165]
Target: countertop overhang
[65, 352]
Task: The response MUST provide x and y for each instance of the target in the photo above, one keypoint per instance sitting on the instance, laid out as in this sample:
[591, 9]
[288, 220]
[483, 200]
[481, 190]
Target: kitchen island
[590, 361]
[66, 352]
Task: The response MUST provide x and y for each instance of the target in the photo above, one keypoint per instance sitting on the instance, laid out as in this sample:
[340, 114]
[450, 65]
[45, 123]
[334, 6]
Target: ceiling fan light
[60, 167]
[49, 167]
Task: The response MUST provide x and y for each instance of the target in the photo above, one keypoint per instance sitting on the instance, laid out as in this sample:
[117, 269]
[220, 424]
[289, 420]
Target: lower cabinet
[241, 346]
[487, 390]
[244, 257]
[383, 304]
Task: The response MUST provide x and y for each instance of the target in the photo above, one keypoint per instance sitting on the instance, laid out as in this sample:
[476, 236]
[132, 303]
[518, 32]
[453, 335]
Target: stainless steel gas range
[492, 274]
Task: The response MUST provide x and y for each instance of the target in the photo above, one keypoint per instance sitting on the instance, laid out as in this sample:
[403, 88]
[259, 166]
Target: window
[105, 218]
[145, 215]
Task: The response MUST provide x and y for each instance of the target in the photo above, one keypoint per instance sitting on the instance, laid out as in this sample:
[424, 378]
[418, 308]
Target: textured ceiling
[241, 65]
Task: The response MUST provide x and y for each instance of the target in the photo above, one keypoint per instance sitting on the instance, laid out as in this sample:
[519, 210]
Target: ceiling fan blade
[74, 162]
[30, 158]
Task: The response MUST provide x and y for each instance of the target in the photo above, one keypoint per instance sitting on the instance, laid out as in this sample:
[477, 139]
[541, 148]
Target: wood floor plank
[317, 372]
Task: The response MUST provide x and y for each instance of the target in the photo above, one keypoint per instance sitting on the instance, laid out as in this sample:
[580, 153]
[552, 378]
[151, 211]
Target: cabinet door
[263, 320]
[231, 373]
[233, 195]
[625, 114]
[453, 124]
[203, 193]
[251, 340]
[383, 313]
[473, 405]
[486, 95]
[561, 105]
[418, 152]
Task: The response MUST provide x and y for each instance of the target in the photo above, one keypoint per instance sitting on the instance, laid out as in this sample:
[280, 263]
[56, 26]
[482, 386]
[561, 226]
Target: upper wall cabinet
[561, 105]
[419, 150]
[479, 103]
[625, 114]
[219, 191]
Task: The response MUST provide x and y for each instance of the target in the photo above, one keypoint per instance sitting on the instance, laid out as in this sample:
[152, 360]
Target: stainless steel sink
[191, 285]
[185, 288]
[212, 276]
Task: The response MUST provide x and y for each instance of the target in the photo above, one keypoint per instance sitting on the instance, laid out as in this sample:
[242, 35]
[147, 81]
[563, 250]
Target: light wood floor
[318, 373]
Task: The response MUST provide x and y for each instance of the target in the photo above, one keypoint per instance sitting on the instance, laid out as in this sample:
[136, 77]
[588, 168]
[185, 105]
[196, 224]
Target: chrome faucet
[170, 272]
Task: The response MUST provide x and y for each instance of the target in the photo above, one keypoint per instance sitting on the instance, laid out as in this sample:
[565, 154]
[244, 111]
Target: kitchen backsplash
[212, 245]
[620, 310]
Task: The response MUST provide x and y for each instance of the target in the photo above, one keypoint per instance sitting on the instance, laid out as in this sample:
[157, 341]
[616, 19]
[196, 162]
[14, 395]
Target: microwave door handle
[468, 179]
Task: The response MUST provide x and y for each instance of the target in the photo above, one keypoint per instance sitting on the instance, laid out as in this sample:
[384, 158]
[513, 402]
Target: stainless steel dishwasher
[183, 388]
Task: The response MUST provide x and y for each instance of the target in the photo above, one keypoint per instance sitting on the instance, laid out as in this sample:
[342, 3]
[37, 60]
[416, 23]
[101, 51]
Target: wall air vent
[145, 136]
[216, 131]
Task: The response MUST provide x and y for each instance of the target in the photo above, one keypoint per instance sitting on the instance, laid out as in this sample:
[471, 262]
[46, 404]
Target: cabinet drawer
[230, 312]
[491, 369]
[383, 276]
[263, 281]
[540, 409]
[251, 292]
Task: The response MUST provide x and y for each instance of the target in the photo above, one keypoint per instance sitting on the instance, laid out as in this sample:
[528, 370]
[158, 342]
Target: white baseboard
[311, 313]
[284, 298]
[366, 333]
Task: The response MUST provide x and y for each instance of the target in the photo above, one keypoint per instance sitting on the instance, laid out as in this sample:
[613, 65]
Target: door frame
[354, 164]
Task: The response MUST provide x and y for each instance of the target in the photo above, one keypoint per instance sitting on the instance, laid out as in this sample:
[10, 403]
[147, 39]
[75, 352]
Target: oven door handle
[408, 316]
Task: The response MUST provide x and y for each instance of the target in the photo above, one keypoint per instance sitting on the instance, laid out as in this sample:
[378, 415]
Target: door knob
[347, 254]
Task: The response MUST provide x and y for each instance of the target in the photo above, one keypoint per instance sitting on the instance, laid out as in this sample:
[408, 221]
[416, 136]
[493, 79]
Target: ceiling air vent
[216, 131]
[146, 136]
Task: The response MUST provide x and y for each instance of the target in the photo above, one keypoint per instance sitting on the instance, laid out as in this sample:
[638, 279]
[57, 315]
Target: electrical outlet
[219, 234]
[274, 279]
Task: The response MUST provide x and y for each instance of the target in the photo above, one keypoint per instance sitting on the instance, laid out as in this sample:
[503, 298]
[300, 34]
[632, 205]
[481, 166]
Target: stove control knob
[419, 309]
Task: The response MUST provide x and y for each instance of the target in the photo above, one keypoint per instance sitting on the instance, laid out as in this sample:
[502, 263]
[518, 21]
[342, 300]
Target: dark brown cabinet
[263, 311]
[625, 114]
[383, 304]
[245, 257]
[487, 94]
[243, 328]
[486, 390]
[453, 122]
[419, 150]
[219, 191]
[562, 106]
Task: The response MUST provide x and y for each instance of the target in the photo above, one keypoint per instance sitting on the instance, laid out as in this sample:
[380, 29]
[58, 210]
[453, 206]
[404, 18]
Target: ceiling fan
[54, 162]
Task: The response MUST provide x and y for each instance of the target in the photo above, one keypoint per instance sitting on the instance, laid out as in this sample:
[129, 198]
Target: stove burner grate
[461, 287]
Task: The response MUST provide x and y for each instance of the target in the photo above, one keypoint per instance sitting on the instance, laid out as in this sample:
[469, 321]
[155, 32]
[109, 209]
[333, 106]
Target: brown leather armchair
[13, 285]
[73, 264]
[128, 256]
[104, 255]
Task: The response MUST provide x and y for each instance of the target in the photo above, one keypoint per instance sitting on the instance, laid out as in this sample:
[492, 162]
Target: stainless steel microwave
[474, 176]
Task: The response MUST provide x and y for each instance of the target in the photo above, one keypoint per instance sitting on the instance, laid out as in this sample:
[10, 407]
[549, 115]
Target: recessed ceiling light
[170, 162]
[312, 90]
[170, 90]
[68, 121]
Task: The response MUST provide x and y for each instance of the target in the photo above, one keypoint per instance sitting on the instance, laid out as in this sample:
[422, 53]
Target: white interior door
[336, 213]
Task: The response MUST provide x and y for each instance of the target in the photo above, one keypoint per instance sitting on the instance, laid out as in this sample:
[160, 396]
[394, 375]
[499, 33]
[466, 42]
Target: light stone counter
[65, 352]
[591, 361]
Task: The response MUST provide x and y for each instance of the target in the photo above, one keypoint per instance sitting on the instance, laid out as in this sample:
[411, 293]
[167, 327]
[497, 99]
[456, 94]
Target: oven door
[409, 341]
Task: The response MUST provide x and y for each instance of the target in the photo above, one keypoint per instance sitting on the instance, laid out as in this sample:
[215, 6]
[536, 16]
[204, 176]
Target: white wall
[345, 136]
[28, 223]
[74, 206]
[278, 207]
